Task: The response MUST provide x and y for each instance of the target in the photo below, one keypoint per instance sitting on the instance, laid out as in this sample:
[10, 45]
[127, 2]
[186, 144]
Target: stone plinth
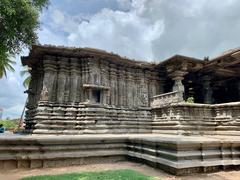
[174, 154]
[50, 118]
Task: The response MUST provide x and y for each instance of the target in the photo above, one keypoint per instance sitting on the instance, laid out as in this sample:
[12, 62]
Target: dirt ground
[157, 173]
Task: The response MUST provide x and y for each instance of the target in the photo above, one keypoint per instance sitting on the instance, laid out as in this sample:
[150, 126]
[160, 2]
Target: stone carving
[166, 99]
[44, 94]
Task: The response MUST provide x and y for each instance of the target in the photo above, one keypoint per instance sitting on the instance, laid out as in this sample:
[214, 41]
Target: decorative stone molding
[166, 99]
[198, 119]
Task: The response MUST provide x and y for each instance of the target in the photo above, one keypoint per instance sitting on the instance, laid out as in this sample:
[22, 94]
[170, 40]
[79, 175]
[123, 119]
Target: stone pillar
[127, 78]
[113, 85]
[79, 93]
[130, 88]
[124, 103]
[148, 81]
[50, 73]
[178, 86]
[207, 90]
[104, 80]
[74, 71]
[119, 86]
[85, 79]
[62, 78]
[177, 77]
[137, 87]
[143, 89]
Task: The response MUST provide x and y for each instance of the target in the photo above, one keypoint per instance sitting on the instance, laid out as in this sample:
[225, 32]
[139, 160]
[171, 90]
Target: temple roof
[228, 62]
[38, 51]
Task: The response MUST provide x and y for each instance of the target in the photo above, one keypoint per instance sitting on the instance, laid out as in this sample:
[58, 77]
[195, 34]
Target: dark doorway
[96, 95]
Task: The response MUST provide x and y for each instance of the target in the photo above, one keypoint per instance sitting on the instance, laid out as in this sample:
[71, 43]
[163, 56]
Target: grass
[9, 124]
[124, 174]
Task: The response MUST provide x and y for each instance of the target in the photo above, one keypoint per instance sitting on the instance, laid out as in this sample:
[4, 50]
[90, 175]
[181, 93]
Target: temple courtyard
[144, 169]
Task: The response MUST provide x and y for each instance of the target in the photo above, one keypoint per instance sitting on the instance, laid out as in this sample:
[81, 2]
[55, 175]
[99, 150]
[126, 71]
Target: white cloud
[140, 29]
[123, 32]
[152, 29]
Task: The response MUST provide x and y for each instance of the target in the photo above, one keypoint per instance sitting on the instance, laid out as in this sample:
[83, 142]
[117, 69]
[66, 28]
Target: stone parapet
[166, 99]
[193, 118]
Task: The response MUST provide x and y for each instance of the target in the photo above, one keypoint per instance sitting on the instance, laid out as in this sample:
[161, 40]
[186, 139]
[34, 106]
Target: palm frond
[26, 82]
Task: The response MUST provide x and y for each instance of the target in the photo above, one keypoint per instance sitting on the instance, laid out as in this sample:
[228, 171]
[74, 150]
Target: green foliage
[27, 80]
[124, 174]
[190, 100]
[9, 124]
[5, 64]
[18, 25]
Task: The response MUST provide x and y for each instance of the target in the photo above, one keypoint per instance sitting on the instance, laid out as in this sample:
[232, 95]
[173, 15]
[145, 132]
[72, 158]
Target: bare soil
[157, 173]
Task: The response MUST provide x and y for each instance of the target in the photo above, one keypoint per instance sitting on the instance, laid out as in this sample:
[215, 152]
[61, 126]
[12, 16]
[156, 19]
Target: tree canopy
[19, 20]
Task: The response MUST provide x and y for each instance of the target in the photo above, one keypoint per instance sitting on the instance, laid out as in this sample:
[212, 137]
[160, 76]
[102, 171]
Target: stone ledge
[172, 153]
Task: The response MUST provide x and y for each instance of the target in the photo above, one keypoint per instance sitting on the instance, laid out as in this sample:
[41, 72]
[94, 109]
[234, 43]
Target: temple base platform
[175, 154]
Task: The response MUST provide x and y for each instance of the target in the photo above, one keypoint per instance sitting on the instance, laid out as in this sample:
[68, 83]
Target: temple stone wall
[199, 119]
[89, 95]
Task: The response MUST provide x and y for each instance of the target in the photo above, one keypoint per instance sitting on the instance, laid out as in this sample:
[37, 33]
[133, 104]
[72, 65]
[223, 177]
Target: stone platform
[175, 154]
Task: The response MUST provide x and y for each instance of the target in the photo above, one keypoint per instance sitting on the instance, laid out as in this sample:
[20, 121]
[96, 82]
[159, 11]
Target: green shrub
[190, 100]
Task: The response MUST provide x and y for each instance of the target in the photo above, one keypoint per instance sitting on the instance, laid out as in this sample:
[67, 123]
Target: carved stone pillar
[148, 81]
[84, 94]
[130, 88]
[50, 73]
[119, 86]
[137, 88]
[104, 75]
[177, 77]
[143, 99]
[207, 90]
[62, 78]
[114, 85]
[127, 89]
[178, 86]
[74, 71]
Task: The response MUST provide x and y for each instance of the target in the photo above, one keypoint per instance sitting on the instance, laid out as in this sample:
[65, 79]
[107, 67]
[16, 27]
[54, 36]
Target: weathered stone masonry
[83, 90]
[88, 94]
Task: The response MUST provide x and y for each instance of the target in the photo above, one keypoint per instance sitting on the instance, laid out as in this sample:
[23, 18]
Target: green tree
[19, 20]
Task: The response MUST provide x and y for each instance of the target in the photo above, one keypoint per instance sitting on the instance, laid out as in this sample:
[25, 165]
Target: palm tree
[5, 65]
[28, 78]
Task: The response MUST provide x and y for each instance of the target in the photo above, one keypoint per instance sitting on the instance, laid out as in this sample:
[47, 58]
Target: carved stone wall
[191, 118]
[90, 95]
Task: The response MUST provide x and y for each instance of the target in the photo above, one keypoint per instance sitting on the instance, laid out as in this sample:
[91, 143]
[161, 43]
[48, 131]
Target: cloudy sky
[150, 30]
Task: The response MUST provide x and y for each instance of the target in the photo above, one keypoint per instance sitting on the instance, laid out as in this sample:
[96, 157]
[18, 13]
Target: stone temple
[89, 106]
[89, 91]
